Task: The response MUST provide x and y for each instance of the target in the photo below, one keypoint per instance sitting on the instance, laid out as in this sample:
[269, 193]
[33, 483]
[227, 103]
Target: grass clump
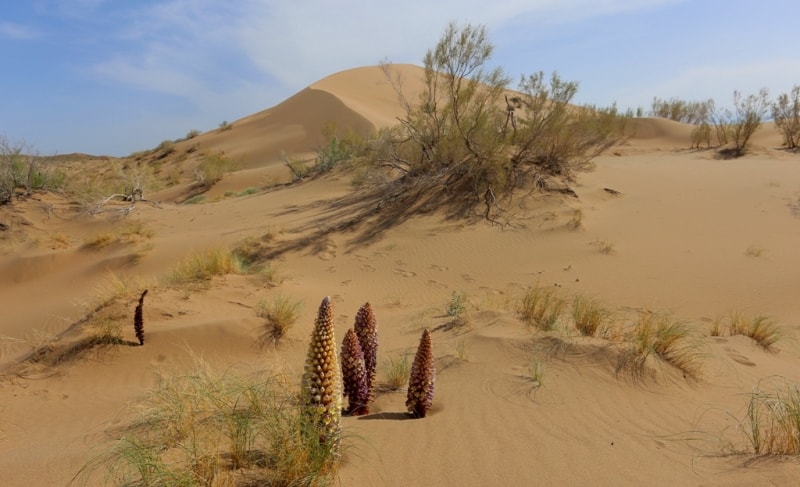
[772, 422]
[279, 316]
[658, 336]
[762, 329]
[541, 308]
[212, 428]
[589, 315]
[398, 369]
[200, 267]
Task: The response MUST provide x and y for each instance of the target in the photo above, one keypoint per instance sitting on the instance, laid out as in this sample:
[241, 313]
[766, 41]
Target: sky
[111, 77]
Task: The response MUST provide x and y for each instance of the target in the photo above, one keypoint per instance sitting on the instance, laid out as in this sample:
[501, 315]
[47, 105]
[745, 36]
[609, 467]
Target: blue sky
[117, 76]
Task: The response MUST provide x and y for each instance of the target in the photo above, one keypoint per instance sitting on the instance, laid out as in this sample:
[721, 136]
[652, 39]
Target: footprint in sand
[437, 267]
[400, 262]
[405, 273]
[738, 357]
[468, 278]
[332, 269]
[491, 290]
[436, 284]
[367, 268]
[346, 283]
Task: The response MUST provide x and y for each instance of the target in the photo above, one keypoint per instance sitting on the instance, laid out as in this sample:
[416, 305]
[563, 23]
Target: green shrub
[786, 113]
[212, 167]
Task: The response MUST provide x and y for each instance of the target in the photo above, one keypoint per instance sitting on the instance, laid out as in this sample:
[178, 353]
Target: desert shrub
[700, 134]
[212, 428]
[466, 136]
[212, 167]
[745, 119]
[692, 112]
[23, 170]
[279, 316]
[660, 337]
[786, 113]
[457, 305]
[762, 329]
[192, 134]
[224, 125]
[340, 146]
[541, 307]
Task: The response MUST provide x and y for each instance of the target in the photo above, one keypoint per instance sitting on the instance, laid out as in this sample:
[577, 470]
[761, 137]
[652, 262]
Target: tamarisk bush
[321, 388]
[354, 375]
[366, 329]
[138, 319]
[423, 375]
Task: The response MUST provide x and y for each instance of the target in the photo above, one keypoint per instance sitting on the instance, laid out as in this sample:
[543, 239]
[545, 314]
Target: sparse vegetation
[22, 171]
[589, 315]
[692, 112]
[463, 139]
[542, 308]
[604, 247]
[212, 168]
[762, 329]
[746, 118]
[279, 315]
[754, 251]
[207, 428]
[224, 126]
[661, 337]
[536, 371]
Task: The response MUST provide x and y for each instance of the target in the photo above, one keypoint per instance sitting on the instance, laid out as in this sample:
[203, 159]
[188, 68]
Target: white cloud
[15, 31]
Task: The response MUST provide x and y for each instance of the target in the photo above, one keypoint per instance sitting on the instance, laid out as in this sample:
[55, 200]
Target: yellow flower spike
[321, 389]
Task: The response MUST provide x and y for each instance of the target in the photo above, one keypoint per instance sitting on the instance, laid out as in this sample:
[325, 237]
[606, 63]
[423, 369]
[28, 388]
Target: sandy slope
[680, 228]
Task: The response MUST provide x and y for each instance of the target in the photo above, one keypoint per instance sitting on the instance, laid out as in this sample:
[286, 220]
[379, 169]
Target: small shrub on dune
[321, 390]
[366, 329]
[589, 315]
[762, 329]
[397, 372]
[421, 382]
[541, 308]
[772, 423]
[280, 315]
[660, 337]
[354, 375]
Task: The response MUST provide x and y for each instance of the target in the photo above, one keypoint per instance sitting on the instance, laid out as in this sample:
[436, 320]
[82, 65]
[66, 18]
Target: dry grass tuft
[772, 422]
[659, 336]
[201, 267]
[590, 315]
[397, 370]
[541, 308]
[279, 316]
[762, 329]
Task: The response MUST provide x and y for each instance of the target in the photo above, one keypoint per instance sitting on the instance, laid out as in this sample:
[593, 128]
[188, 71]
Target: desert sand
[687, 232]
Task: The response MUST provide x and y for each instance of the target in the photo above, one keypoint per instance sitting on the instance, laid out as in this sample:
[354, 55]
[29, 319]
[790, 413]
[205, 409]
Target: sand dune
[687, 232]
